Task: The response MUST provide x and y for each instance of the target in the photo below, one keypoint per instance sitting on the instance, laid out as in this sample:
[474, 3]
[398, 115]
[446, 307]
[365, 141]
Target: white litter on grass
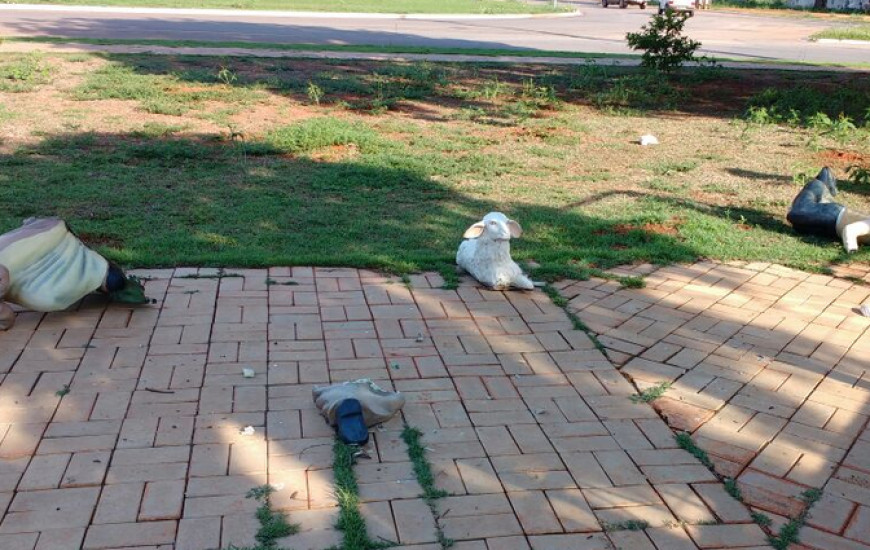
[248, 373]
[865, 310]
[247, 430]
[649, 139]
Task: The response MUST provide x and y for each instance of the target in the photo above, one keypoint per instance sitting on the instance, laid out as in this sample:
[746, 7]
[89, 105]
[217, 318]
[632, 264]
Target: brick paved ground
[528, 426]
[770, 375]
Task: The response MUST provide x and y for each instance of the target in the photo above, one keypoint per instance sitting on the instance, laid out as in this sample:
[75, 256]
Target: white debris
[865, 310]
[247, 430]
[649, 139]
[248, 373]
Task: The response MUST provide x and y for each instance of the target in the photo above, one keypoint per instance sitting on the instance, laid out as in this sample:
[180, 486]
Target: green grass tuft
[762, 520]
[650, 394]
[789, 533]
[350, 521]
[312, 134]
[627, 525]
[273, 525]
[23, 72]
[685, 441]
[733, 489]
[423, 472]
[561, 302]
[856, 32]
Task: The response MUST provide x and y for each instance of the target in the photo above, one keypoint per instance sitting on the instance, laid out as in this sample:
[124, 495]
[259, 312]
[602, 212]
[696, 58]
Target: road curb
[838, 41]
[278, 14]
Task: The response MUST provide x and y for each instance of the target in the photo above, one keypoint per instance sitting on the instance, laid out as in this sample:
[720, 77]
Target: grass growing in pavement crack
[628, 525]
[273, 525]
[350, 521]
[685, 441]
[761, 519]
[423, 472]
[561, 302]
[650, 394]
[788, 534]
[732, 489]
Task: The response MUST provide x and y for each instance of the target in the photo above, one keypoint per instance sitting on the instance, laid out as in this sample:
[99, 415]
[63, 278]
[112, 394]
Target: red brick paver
[768, 369]
[528, 426]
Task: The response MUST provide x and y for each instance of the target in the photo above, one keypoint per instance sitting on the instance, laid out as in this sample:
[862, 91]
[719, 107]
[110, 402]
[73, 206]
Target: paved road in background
[725, 34]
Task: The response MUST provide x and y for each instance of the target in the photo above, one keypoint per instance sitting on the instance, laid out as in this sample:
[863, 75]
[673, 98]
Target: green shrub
[315, 133]
[662, 41]
[804, 105]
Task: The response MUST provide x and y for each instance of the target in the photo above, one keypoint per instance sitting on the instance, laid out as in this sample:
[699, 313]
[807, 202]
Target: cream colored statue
[377, 405]
[45, 267]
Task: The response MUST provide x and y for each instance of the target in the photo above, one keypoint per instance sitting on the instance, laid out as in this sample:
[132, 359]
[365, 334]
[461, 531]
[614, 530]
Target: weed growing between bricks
[732, 489]
[423, 471]
[789, 533]
[221, 274]
[628, 525]
[561, 302]
[350, 521]
[273, 525]
[650, 394]
[684, 440]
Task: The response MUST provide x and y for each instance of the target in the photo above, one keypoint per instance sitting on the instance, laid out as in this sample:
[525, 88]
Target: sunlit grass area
[161, 161]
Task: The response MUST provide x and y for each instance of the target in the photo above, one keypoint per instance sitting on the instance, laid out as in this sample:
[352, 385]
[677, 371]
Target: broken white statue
[45, 267]
[353, 407]
[486, 253]
[648, 139]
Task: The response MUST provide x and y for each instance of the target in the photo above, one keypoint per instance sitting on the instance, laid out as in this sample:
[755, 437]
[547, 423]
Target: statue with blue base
[814, 212]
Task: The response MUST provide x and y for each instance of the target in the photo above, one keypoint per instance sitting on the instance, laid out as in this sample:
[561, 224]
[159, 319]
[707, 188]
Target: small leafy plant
[315, 93]
[662, 41]
[226, 76]
[650, 394]
[859, 174]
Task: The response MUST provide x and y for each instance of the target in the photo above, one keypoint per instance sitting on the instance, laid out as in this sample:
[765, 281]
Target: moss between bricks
[650, 394]
[789, 533]
[273, 525]
[561, 302]
[350, 521]
[423, 472]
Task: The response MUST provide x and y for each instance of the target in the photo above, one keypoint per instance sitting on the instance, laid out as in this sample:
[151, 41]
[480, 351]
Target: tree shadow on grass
[147, 201]
[497, 91]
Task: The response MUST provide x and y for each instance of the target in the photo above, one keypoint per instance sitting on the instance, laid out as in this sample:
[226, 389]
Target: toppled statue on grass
[814, 212]
[354, 407]
[486, 253]
[45, 267]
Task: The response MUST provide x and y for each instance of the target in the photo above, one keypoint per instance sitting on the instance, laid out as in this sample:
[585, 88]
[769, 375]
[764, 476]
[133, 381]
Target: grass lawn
[160, 161]
[857, 32]
[356, 6]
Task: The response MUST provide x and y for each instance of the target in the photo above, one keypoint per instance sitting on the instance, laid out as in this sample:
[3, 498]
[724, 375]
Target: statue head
[123, 288]
[495, 226]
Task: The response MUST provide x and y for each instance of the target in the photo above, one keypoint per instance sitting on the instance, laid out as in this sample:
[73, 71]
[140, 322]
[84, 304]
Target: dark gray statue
[814, 212]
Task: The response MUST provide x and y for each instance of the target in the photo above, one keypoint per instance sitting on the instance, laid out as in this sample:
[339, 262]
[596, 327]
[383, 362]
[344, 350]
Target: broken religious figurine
[486, 253]
[45, 267]
[354, 407]
[814, 212]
